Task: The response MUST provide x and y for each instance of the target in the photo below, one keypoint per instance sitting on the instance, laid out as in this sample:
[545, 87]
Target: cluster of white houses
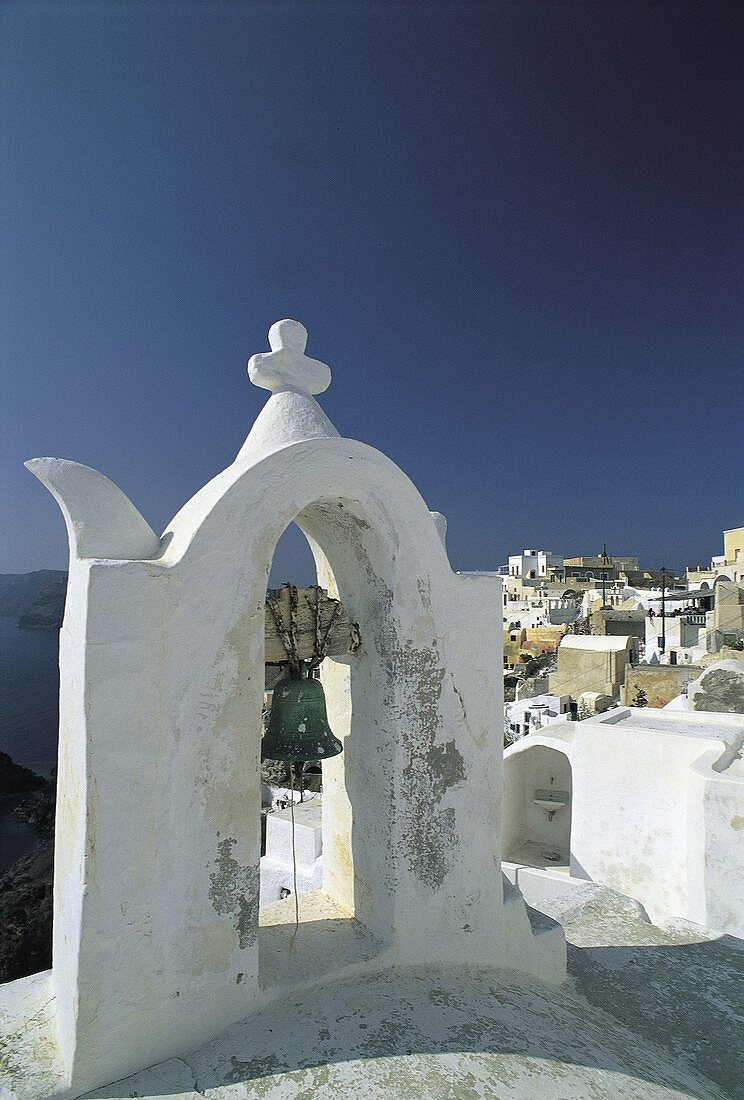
[624, 763]
[604, 618]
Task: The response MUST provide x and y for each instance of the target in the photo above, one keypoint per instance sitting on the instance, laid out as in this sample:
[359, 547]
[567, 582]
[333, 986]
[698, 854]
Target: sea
[29, 718]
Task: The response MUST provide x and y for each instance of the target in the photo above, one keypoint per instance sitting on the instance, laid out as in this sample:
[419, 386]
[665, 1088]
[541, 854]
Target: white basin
[551, 800]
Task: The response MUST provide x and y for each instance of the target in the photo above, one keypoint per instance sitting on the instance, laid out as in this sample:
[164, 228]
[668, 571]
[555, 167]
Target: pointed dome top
[286, 367]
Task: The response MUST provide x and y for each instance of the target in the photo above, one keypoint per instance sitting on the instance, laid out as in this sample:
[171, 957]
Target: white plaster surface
[657, 808]
[650, 1013]
[278, 867]
[286, 366]
[101, 520]
[162, 681]
[545, 765]
[595, 643]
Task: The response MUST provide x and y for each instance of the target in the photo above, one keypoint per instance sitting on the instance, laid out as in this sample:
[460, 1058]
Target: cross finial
[286, 367]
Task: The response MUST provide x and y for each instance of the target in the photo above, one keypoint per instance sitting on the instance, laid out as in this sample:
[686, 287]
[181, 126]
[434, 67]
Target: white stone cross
[286, 367]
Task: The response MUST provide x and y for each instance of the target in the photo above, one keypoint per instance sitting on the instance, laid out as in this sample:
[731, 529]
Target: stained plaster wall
[174, 690]
[156, 895]
[661, 683]
[715, 845]
[657, 809]
[630, 813]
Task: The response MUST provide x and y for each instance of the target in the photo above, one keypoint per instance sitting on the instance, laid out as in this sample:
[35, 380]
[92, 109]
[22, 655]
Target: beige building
[592, 567]
[733, 544]
[522, 643]
[728, 566]
[728, 614]
[592, 662]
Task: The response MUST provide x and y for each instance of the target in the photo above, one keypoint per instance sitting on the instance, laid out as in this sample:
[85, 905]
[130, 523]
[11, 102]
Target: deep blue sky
[513, 230]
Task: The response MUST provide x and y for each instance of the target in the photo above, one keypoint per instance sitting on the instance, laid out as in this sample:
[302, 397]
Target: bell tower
[156, 912]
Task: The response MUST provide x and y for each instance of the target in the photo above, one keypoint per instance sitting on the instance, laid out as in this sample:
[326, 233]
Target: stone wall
[661, 683]
[621, 623]
[530, 643]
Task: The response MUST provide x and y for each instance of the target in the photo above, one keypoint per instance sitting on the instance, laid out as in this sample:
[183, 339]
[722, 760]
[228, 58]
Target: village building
[696, 623]
[522, 644]
[592, 663]
[655, 685]
[728, 566]
[649, 802]
[533, 566]
[526, 715]
[641, 580]
[594, 566]
[621, 620]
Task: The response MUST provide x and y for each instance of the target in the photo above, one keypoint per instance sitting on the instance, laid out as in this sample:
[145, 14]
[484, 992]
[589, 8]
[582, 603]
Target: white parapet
[292, 857]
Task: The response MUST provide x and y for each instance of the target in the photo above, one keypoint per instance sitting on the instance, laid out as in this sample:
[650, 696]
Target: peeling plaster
[430, 838]
[234, 892]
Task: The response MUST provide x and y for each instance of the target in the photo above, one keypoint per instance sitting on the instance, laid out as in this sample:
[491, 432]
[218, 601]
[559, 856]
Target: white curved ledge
[101, 520]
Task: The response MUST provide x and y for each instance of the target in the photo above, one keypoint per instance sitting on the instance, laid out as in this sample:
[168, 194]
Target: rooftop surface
[648, 1013]
[597, 643]
[707, 724]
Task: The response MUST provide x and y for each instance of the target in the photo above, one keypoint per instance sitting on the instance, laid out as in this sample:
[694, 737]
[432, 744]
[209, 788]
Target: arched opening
[536, 824]
[286, 866]
[337, 886]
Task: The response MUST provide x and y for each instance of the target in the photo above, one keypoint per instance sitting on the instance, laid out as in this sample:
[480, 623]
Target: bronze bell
[298, 727]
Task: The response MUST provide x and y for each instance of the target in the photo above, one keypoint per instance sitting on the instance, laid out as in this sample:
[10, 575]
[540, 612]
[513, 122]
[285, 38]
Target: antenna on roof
[605, 562]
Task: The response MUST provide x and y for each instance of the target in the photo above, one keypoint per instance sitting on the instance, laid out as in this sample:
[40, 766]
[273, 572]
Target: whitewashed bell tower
[156, 932]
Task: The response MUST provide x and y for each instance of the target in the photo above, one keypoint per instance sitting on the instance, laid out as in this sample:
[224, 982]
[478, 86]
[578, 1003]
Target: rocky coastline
[26, 887]
[47, 611]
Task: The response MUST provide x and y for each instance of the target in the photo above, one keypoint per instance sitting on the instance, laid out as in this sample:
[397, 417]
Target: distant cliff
[26, 887]
[15, 779]
[48, 609]
[26, 894]
[20, 591]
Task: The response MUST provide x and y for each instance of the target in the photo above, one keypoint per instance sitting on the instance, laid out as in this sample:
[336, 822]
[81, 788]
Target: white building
[527, 715]
[649, 802]
[543, 607]
[728, 566]
[536, 565]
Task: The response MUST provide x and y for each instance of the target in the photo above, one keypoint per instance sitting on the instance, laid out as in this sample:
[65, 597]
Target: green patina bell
[298, 724]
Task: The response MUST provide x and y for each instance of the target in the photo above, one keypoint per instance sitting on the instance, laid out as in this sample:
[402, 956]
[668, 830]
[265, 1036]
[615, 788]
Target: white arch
[162, 675]
[162, 684]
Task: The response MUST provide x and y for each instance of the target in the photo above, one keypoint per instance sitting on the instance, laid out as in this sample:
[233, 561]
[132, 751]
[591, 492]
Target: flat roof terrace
[728, 728]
